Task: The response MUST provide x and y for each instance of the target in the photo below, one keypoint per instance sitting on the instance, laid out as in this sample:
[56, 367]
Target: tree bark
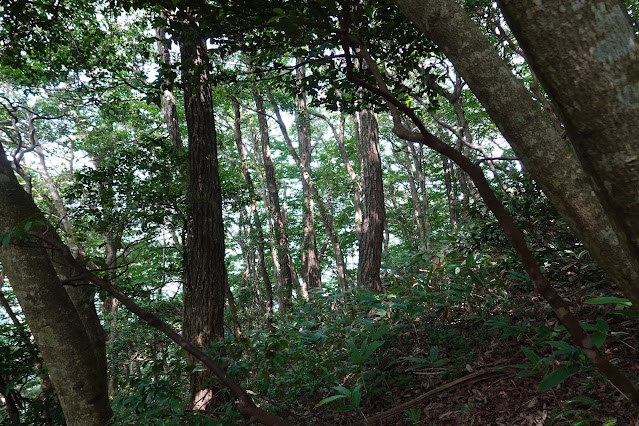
[512, 232]
[57, 327]
[169, 108]
[281, 236]
[586, 56]
[261, 250]
[450, 193]
[311, 272]
[370, 244]
[532, 136]
[325, 207]
[205, 272]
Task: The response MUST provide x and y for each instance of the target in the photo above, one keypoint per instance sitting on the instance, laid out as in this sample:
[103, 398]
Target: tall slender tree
[374, 218]
[205, 272]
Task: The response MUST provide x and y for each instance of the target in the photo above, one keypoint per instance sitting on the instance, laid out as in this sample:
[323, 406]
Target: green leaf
[598, 339]
[441, 362]
[383, 329]
[556, 377]
[586, 400]
[356, 395]
[602, 325]
[609, 300]
[434, 353]
[353, 347]
[343, 390]
[373, 346]
[533, 357]
[27, 226]
[561, 345]
[6, 239]
[279, 11]
[330, 399]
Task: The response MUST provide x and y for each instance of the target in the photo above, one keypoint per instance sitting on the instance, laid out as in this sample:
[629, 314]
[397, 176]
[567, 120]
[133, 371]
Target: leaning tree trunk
[261, 249]
[281, 236]
[532, 136]
[586, 55]
[372, 236]
[205, 272]
[57, 327]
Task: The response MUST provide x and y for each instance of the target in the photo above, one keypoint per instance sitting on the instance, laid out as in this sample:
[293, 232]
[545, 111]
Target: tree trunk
[268, 288]
[310, 258]
[586, 56]
[169, 109]
[370, 245]
[532, 136]
[311, 272]
[450, 194]
[57, 327]
[281, 236]
[205, 272]
[325, 207]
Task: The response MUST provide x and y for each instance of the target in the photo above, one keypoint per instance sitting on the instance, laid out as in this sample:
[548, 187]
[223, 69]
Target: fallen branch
[477, 376]
[248, 409]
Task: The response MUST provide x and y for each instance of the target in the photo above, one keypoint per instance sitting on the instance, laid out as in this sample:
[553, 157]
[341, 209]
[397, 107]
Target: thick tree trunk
[82, 296]
[586, 55]
[281, 236]
[261, 250]
[370, 245]
[205, 272]
[532, 136]
[59, 330]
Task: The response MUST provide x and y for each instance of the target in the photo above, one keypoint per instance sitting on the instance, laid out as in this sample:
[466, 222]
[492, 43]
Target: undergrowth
[443, 314]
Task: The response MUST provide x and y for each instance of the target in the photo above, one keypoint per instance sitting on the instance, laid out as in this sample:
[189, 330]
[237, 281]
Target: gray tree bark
[75, 366]
[311, 272]
[531, 135]
[586, 55]
[261, 249]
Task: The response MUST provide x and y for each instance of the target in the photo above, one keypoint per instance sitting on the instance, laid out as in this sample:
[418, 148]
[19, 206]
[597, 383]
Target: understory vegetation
[322, 212]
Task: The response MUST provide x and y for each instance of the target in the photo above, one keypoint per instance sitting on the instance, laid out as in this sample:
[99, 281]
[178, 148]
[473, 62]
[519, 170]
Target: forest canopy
[310, 212]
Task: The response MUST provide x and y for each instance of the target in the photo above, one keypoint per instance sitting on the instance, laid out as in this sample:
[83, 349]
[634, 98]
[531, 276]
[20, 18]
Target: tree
[531, 135]
[311, 272]
[374, 217]
[206, 276]
[79, 376]
[587, 57]
[285, 292]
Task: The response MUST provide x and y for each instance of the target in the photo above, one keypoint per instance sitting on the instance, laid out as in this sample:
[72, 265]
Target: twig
[477, 376]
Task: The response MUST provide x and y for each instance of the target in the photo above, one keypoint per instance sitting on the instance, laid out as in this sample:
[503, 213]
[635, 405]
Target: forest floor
[490, 393]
